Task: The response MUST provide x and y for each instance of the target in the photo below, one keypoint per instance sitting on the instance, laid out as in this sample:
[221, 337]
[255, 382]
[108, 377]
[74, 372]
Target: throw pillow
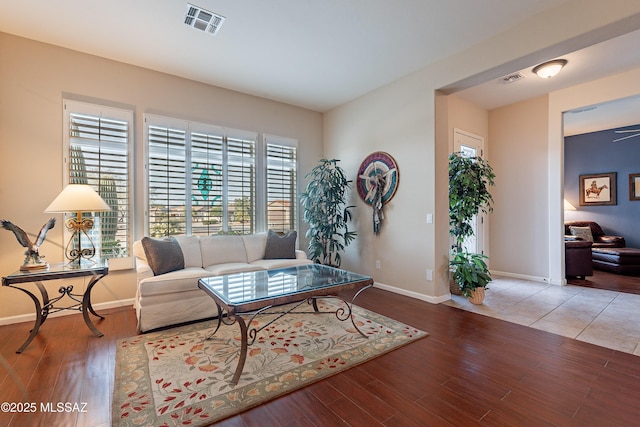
[582, 232]
[280, 247]
[163, 255]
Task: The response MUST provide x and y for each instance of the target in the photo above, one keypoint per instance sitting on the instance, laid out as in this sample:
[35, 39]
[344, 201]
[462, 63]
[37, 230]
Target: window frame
[281, 141]
[70, 107]
[191, 127]
[260, 167]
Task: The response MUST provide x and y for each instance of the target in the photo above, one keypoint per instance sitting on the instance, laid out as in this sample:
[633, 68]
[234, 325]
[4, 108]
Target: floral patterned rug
[181, 376]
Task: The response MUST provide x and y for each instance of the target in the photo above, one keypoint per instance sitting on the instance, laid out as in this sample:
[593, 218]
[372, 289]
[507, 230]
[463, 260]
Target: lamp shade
[78, 198]
[568, 206]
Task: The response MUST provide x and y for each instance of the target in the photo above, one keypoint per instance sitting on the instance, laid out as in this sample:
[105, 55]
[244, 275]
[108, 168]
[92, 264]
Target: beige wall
[519, 156]
[392, 120]
[34, 77]
[400, 118]
[526, 141]
[603, 90]
[408, 120]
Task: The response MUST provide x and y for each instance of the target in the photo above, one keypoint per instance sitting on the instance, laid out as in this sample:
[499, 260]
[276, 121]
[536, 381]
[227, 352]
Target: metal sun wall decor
[378, 179]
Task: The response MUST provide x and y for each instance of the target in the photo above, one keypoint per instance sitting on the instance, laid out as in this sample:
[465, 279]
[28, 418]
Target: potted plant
[471, 274]
[325, 210]
[469, 180]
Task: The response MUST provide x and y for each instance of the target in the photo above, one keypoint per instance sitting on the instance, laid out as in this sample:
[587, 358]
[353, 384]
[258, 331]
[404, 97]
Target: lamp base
[79, 226]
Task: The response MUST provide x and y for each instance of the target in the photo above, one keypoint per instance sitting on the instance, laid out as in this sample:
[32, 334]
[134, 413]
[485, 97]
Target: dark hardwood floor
[471, 370]
[610, 281]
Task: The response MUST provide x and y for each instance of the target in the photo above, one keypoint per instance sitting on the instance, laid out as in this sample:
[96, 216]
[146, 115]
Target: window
[96, 152]
[201, 178]
[281, 173]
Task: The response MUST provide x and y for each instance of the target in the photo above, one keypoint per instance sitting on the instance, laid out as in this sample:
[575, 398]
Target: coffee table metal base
[249, 335]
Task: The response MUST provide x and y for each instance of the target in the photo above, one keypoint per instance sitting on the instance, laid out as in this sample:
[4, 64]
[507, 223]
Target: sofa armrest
[611, 241]
[143, 270]
[577, 244]
[301, 254]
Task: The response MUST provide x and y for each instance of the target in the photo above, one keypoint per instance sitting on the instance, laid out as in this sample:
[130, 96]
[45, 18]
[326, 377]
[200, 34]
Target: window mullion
[188, 182]
[225, 184]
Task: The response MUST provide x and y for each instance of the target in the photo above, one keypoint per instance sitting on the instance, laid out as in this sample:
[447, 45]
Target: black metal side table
[81, 302]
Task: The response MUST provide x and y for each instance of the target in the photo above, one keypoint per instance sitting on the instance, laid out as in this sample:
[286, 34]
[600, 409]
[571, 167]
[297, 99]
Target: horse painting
[594, 189]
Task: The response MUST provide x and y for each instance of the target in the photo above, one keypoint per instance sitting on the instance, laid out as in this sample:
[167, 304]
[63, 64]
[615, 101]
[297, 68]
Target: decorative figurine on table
[33, 260]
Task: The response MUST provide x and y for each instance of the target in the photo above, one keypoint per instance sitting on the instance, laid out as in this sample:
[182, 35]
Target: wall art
[598, 189]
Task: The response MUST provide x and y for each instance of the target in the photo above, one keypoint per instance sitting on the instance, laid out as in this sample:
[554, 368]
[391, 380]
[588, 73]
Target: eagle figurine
[32, 259]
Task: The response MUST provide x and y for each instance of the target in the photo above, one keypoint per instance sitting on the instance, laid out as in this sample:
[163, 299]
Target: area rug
[181, 376]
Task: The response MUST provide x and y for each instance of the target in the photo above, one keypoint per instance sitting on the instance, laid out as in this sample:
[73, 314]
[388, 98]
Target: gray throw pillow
[163, 255]
[280, 247]
[582, 232]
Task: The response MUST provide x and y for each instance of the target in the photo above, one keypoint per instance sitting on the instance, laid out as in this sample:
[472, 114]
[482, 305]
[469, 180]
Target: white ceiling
[607, 58]
[315, 54]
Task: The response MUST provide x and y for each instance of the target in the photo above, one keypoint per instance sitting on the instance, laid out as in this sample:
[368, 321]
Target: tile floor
[605, 318]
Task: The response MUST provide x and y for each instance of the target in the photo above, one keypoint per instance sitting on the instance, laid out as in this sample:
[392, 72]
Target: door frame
[460, 138]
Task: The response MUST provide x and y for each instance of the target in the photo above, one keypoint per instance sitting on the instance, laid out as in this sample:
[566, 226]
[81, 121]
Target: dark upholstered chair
[600, 240]
[577, 258]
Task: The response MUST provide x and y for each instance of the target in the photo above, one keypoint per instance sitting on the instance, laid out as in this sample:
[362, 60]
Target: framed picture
[599, 189]
[634, 186]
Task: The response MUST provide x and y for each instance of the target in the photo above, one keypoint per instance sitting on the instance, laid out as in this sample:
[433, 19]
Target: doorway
[471, 145]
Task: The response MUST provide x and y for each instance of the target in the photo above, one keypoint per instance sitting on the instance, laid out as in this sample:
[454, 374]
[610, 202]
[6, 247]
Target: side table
[81, 302]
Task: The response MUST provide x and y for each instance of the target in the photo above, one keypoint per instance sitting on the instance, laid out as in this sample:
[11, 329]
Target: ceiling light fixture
[203, 20]
[549, 69]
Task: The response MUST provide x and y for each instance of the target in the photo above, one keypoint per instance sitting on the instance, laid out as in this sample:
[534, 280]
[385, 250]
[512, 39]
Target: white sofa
[174, 297]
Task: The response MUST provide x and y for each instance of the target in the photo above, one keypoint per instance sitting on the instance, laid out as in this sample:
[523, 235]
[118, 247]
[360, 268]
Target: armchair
[577, 258]
[600, 240]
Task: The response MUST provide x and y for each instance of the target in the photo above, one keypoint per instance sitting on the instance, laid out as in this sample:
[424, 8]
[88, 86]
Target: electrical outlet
[378, 264]
[429, 275]
[429, 218]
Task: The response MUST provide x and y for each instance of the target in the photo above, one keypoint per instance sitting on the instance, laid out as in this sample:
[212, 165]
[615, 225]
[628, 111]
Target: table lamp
[78, 198]
[568, 206]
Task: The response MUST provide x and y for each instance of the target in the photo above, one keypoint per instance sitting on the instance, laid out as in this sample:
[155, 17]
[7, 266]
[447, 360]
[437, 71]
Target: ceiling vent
[512, 78]
[203, 20]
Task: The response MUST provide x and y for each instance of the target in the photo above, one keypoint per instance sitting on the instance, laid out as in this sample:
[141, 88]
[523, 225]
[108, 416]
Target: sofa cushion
[280, 247]
[582, 232]
[163, 255]
[222, 250]
[270, 264]
[190, 246]
[254, 245]
[173, 282]
[231, 268]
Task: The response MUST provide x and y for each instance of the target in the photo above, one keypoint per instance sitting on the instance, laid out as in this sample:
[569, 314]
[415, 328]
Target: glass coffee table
[247, 295]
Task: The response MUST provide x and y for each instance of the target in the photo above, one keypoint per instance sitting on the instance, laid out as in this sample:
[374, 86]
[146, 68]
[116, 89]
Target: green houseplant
[469, 181]
[326, 212]
[471, 274]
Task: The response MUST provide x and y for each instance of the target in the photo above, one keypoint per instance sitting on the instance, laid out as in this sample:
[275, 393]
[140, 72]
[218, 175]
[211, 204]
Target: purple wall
[595, 153]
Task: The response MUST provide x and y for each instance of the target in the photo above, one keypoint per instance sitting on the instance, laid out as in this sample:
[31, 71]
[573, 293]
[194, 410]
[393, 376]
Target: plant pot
[477, 296]
[454, 288]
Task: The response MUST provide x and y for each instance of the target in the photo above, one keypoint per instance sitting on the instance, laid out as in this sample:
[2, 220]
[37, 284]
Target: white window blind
[281, 173]
[207, 168]
[167, 179]
[97, 146]
[241, 184]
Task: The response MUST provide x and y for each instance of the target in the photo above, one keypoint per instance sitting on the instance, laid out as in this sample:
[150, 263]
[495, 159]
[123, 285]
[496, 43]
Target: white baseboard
[32, 317]
[526, 277]
[411, 294]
